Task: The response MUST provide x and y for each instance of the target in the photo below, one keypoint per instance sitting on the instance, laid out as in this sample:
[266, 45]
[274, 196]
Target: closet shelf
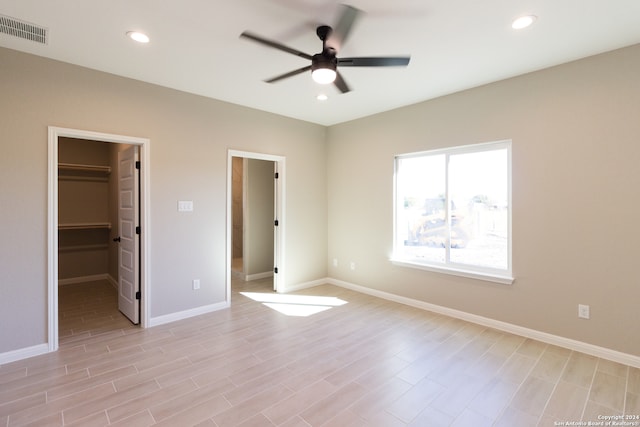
[72, 167]
[85, 226]
[82, 248]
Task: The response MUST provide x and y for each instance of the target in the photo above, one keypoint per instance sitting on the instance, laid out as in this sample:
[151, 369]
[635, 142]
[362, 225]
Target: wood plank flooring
[367, 362]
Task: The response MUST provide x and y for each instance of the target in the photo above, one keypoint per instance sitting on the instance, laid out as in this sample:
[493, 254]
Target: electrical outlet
[335, 262]
[583, 311]
[352, 265]
[196, 284]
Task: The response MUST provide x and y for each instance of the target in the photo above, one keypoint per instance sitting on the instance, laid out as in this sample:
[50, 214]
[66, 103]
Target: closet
[87, 211]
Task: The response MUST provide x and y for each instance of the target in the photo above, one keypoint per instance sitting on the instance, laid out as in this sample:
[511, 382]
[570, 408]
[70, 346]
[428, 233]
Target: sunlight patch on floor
[295, 305]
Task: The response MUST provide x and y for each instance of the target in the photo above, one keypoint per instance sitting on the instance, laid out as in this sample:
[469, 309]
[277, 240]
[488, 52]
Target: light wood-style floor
[368, 362]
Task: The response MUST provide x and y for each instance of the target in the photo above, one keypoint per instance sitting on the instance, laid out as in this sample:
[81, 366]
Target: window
[453, 211]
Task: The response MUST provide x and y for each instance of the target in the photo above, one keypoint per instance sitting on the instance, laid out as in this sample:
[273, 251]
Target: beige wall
[576, 173]
[575, 133]
[190, 136]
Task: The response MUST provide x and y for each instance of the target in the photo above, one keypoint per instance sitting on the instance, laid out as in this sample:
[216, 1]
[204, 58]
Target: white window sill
[489, 277]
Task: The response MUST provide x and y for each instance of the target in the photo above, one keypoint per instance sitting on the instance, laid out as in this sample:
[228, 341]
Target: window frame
[502, 276]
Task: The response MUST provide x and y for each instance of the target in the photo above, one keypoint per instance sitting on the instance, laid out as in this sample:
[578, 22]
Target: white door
[129, 248]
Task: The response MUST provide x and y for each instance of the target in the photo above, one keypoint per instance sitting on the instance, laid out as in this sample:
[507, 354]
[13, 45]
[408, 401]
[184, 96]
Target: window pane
[421, 215]
[452, 209]
[478, 188]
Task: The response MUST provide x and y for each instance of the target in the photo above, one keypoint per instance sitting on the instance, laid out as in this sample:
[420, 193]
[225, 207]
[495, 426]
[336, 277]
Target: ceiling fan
[324, 65]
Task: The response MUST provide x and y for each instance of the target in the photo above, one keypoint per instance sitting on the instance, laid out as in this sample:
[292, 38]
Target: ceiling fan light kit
[324, 65]
[323, 70]
[323, 76]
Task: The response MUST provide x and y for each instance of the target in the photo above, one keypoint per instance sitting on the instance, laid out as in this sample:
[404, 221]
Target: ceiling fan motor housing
[324, 60]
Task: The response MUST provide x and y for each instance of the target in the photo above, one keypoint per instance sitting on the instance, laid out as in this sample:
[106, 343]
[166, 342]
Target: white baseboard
[37, 350]
[82, 279]
[23, 353]
[113, 281]
[593, 350]
[249, 277]
[258, 276]
[173, 317]
[305, 285]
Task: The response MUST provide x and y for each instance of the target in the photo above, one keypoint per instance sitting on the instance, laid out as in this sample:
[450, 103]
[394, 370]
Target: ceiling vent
[24, 30]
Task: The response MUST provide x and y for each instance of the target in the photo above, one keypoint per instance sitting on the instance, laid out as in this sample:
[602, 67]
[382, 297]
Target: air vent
[24, 30]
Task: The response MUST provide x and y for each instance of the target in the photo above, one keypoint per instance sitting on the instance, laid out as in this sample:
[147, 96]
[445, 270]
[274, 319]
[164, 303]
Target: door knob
[116, 239]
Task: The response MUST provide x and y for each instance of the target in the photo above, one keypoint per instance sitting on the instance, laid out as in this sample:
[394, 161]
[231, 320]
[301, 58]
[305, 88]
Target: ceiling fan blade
[397, 61]
[289, 74]
[343, 27]
[275, 45]
[341, 84]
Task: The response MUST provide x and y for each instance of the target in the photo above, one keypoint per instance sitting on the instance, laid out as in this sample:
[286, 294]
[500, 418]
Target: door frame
[54, 133]
[279, 203]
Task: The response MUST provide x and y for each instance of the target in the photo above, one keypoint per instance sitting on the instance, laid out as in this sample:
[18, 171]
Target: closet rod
[84, 225]
[84, 168]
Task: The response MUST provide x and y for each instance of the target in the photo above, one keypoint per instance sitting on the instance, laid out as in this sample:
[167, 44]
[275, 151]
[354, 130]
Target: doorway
[253, 219]
[255, 223]
[95, 228]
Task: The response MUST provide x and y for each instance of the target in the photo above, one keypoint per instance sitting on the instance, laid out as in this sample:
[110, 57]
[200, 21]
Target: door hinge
[138, 230]
[137, 164]
[275, 270]
[276, 223]
[277, 175]
[138, 295]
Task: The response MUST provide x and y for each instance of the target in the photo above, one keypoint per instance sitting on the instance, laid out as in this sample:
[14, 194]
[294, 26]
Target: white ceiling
[195, 45]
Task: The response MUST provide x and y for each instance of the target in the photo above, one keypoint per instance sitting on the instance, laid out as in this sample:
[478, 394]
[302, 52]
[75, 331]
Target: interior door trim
[52, 221]
[280, 202]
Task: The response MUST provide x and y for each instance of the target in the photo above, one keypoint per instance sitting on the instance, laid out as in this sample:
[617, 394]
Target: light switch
[185, 206]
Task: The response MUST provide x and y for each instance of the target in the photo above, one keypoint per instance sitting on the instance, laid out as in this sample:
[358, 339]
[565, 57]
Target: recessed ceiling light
[523, 22]
[322, 97]
[138, 36]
